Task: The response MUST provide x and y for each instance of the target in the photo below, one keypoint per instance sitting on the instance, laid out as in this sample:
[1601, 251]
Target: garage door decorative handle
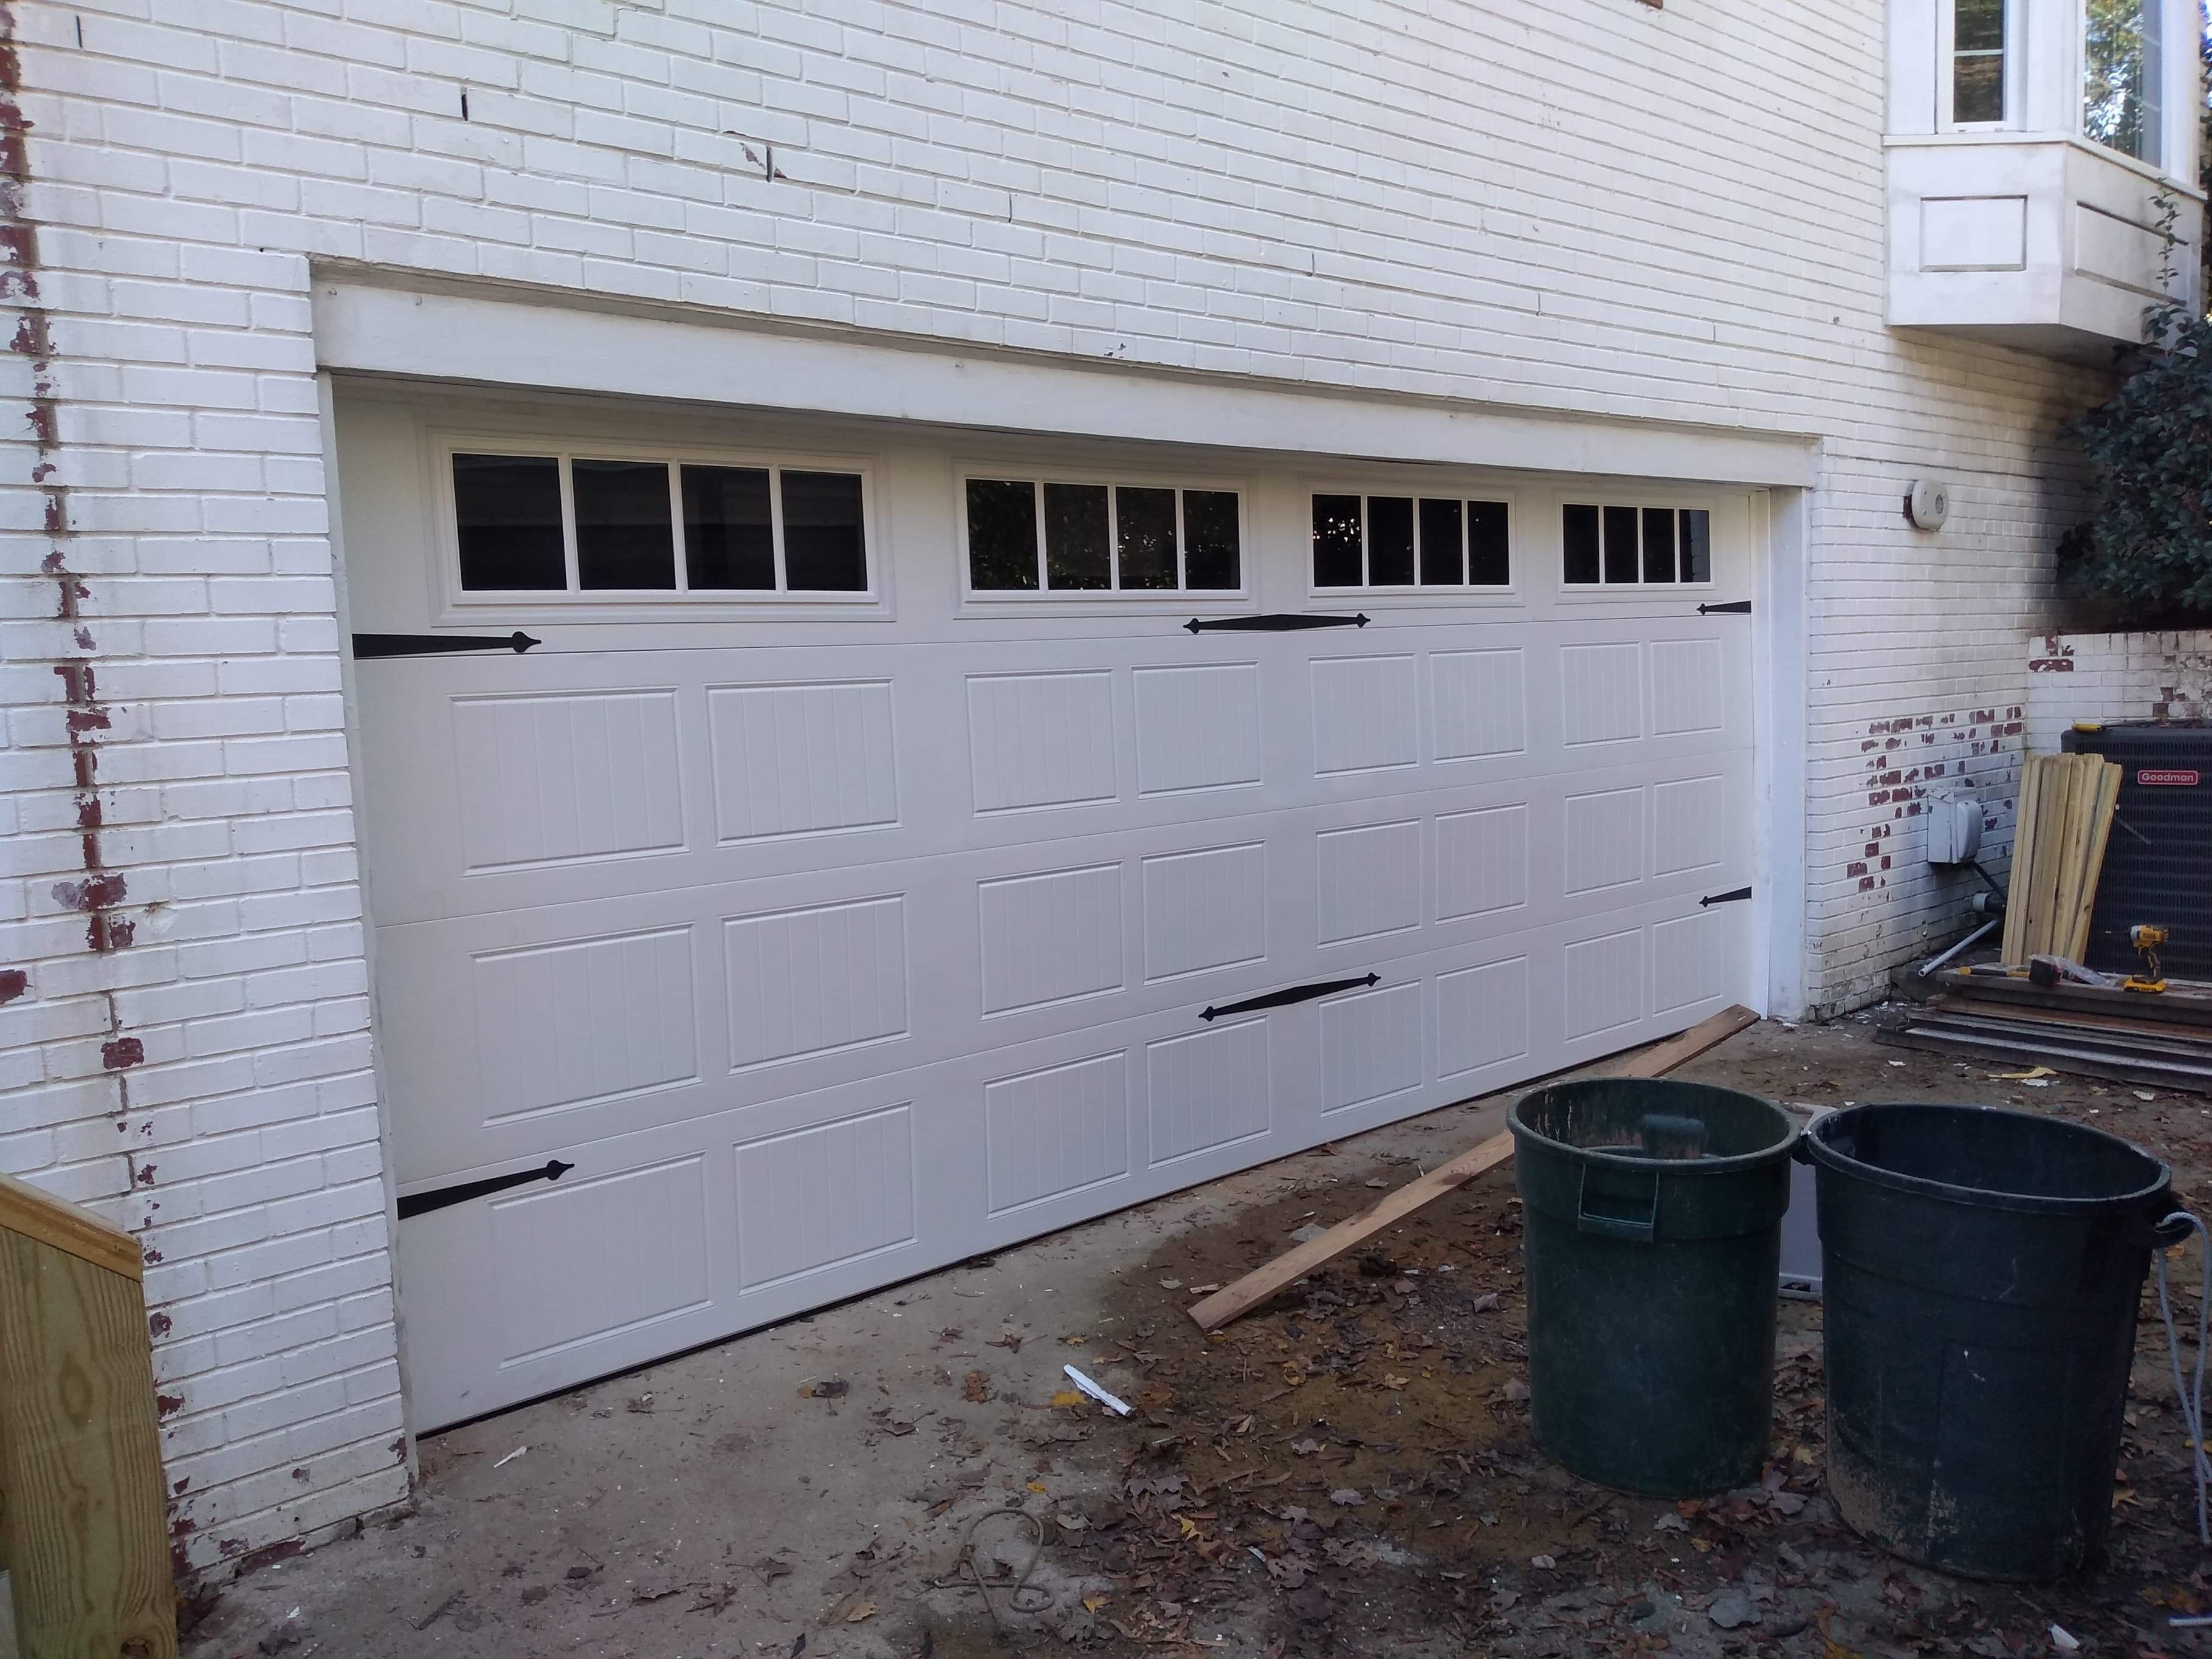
[1284, 998]
[1733, 608]
[1728, 897]
[1273, 622]
[423, 1203]
[432, 645]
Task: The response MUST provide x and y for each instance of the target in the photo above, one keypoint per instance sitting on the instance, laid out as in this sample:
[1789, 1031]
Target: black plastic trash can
[1981, 1270]
[1652, 1279]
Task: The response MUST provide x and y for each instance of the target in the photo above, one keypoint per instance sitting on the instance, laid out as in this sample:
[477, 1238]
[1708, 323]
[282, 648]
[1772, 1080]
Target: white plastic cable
[2190, 1401]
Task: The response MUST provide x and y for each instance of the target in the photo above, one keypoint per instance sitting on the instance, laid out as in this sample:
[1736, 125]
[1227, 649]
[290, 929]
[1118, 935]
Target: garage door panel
[1198, 727]
[832, 944]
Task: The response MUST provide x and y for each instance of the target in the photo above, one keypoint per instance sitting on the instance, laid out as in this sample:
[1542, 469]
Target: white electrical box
[1954, 828]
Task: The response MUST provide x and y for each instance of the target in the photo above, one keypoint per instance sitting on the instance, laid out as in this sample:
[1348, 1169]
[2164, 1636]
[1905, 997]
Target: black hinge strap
[429, 645]
[423, 1203]
[1730, 897]
[1273, 621]
[1284, 998]
[1733, 608]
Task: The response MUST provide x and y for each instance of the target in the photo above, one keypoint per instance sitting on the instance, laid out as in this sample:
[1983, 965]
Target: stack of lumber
[2065, 818]
[2163, 1040]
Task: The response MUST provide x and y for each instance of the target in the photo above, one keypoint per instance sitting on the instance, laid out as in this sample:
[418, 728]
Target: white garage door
[871, 865]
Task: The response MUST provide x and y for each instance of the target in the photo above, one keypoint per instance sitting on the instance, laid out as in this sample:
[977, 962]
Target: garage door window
[1078, 536]
[587, 524]
[1410, 542]
[1607, 546]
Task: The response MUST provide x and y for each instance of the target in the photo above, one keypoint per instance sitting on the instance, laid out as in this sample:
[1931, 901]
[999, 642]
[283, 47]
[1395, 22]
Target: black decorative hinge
[1274, 622]
[1283, 999]
[1728, 897]
[423, 1203]
[431, 645]
[1733, 608]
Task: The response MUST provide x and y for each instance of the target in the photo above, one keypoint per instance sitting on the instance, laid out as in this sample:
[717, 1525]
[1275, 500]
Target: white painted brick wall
[1588, 206]
[2115, 677]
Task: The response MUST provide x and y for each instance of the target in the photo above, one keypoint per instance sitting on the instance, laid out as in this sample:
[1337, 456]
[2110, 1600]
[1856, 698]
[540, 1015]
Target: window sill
[2007, 138]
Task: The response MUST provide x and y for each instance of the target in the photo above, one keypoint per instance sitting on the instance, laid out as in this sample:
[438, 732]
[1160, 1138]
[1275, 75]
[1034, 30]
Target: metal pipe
[1934, 962]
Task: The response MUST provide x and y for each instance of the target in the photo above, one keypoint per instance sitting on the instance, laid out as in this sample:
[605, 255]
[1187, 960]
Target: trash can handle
[2173, 1229]
[1635, 1230]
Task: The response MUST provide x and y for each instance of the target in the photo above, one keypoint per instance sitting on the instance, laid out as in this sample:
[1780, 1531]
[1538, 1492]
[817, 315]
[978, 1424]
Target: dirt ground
[1347, 1471]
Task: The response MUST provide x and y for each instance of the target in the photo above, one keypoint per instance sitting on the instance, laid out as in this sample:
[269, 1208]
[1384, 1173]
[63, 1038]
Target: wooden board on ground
[1232, 1301]
[2180, 1003]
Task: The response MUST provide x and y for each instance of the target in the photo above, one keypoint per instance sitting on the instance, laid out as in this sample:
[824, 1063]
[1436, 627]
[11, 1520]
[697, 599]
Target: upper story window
[1079, 536]
[587, 524]
[1632, 546]
[2123, 66]
[1404, 541]
[1979, 54]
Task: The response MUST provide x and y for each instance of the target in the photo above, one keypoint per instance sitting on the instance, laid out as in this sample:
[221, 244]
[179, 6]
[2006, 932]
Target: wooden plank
[2023, 852]
[1996, 1052]
[2052, 808]
[83, 1529]
[2056, 874]
[36, 1213]
[1232, 1301]
[2195, 1047]
[2081, 836]
[2093, 862]
[2065, 1019]
[2180, 1004]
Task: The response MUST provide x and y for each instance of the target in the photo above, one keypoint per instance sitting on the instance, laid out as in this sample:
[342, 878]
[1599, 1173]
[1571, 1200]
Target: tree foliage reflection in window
[2121, 70]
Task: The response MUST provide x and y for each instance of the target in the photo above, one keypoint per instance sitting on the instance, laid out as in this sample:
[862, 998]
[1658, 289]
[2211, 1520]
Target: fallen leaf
[1037, 1485]
[1484, 1303]
[1348, 1496]
[1305, 1447]
[1392, 1380]
[1092, 1603]
[1171, 1284]
[1515, 1390]
[1670, 1523]
[1066, 1397]
[1542, 1563]
[1073, 1341]
[975, 1388]
[1008, 1341]
[863, 1610]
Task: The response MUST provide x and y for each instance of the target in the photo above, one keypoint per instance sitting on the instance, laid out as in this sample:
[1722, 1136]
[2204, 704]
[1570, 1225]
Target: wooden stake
[1232, 1301]
[82, 1530]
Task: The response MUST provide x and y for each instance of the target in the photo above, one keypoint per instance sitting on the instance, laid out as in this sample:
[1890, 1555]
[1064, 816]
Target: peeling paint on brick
[14, 983]
[118, 1052]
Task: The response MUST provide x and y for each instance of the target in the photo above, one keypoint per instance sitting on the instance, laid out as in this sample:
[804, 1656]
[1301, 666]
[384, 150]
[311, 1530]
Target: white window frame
[2015, 44]
[1110, 479]
[565, 448]
[1602, 589]
[1417, 592]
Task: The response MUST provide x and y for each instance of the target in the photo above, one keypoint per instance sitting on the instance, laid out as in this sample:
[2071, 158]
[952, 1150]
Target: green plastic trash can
[1652, 1279]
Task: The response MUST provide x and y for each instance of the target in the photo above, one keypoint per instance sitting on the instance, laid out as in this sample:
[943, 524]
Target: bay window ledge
[2049, 243]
